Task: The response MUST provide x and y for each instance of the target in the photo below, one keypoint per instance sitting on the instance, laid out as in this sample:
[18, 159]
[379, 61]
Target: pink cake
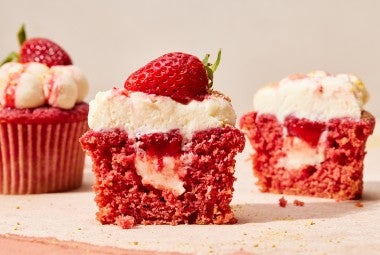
[309, 133]
[161, 153]
[42, 116]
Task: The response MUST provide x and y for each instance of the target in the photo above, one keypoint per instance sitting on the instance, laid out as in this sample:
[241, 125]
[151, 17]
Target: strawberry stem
[211, 68]
[216, 64]
[205, 59]
[21, 35]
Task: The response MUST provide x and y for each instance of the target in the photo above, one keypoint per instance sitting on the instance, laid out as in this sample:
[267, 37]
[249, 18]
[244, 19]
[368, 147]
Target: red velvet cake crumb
[207, 168]
[297, 202]
[282, 202]
[359, 204]
[339, 175]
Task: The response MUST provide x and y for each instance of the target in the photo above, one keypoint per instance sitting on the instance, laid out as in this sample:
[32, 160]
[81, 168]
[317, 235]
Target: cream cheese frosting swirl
[318, 96]
[140, 113]
[32, 85]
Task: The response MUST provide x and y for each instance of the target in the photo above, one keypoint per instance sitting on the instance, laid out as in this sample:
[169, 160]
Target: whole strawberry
[43, 51]
[181, 76]
[39, 50]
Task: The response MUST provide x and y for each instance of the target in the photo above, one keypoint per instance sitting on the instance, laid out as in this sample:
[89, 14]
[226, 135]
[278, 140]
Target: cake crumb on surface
[297, 202]
[359, 204]
[282, 202]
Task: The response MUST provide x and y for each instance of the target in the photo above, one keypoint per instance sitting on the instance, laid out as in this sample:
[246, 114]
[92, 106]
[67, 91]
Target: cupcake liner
[40, 158]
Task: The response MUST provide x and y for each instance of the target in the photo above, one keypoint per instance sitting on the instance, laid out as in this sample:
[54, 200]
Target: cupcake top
[40, 73]
[30, 85]
[171, 92]
[318, 96]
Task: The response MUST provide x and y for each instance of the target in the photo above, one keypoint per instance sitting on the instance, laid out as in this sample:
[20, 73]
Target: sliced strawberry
[309, 131]
[178, 75]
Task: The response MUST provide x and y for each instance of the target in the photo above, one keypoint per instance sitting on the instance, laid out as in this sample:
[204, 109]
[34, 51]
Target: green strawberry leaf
[12, 57]
[21, 35]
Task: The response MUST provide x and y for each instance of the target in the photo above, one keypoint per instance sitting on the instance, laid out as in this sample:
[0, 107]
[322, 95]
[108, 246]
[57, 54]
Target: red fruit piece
[181, 76]
[162, 144]
[309, 131]
[44, 51]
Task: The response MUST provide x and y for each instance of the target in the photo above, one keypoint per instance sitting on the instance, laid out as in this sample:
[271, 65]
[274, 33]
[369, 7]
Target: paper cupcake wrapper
[40, 158]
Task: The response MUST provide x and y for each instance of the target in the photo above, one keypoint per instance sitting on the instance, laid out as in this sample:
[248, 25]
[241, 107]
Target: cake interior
[334, 167]
[196, 188]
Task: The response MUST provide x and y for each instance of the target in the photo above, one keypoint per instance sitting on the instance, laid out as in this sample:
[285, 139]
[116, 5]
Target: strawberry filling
[162, 144]
[307, 130]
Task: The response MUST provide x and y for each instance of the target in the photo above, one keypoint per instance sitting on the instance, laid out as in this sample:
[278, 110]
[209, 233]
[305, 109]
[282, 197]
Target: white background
[262, 41]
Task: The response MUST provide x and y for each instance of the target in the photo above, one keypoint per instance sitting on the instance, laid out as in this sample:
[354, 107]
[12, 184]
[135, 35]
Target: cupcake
[309, 134]
[163, 147]
[42, 116]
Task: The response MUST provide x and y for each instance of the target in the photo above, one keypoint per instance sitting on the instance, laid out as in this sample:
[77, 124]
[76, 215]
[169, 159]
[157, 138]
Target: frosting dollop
[318, 96]
[31, 85]
[141, 113]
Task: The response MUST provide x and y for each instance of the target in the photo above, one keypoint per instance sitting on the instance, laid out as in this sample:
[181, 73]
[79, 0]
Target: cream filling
[161, 175]
[298, 154]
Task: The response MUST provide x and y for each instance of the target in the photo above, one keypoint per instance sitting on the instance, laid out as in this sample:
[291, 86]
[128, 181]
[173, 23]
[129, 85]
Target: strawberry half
[181, 76]
[39, 50]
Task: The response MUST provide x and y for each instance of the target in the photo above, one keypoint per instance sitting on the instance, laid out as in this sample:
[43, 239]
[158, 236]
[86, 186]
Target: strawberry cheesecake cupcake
[309, 134]
[163, 147]
[42, 116]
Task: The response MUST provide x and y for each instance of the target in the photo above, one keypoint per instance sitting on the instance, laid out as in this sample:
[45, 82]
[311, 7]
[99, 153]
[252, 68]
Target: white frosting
[29, 91]
[36, 84]
[140, 113]
[316, 96]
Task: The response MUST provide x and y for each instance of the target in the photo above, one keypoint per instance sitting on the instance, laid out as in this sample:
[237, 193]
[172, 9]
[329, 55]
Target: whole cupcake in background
[42, 116]
[163, 147]
[309, 134]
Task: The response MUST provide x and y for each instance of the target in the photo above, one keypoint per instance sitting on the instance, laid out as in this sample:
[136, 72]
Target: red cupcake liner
[40, 158]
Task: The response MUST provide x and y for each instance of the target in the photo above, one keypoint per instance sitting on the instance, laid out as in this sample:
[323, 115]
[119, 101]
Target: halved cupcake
[309, 133]
[163, 147]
